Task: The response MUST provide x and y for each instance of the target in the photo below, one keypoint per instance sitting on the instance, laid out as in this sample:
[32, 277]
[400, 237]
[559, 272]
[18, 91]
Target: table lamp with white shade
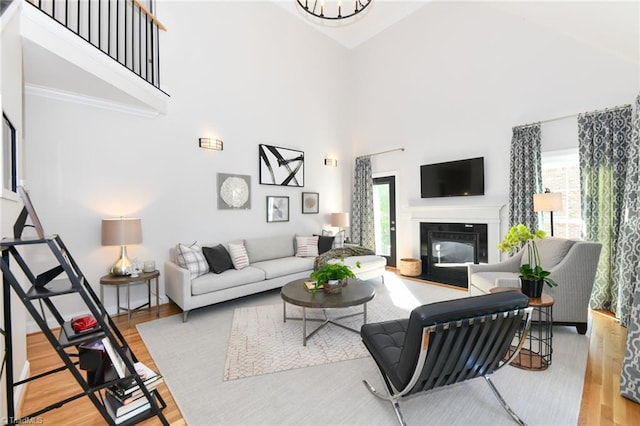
[120, 232]
[340, 220]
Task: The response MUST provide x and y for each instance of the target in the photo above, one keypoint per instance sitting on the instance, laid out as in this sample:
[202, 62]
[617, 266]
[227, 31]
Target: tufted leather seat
[456, 340]
[385, 341]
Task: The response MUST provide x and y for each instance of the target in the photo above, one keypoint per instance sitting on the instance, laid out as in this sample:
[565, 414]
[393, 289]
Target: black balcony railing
[126, 30]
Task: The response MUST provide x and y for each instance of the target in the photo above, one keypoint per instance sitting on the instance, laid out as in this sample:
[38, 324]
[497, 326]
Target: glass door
[384, 215]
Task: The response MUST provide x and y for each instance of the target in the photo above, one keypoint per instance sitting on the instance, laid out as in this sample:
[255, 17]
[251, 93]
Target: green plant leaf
[333, 271]
[520, 236]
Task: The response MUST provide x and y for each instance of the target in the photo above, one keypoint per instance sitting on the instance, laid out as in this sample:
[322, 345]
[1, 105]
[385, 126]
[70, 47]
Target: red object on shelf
[83, 322]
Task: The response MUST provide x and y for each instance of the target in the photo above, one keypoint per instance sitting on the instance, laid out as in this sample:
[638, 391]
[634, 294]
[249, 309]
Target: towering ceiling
[610, 25]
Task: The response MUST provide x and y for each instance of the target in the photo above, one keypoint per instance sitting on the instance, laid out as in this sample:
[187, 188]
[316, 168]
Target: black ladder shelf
[44, 291]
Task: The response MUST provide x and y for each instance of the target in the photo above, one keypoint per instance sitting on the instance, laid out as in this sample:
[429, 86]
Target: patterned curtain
[628, 274]
[603, 141]
[525, 178]
[625, 266]
[362, 226]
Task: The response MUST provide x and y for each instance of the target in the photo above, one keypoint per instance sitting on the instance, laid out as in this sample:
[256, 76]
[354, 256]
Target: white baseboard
[21, 390]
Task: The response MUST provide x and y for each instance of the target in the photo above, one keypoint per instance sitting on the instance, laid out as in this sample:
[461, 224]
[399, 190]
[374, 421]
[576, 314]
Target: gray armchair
[572, 265]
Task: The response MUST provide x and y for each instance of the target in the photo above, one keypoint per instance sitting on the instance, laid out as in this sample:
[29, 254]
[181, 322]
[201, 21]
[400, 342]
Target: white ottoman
[371, 266]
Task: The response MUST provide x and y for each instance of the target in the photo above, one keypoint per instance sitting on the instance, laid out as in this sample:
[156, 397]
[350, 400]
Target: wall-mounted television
[453, 178]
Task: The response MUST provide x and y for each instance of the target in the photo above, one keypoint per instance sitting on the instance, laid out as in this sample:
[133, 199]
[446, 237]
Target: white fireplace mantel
[487, 214]
[457, 214]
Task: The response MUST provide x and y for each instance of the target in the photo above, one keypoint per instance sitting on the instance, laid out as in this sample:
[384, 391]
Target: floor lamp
[547, 202]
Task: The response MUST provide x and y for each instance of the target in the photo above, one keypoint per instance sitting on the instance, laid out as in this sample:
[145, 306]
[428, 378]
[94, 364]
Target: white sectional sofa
[272, 263]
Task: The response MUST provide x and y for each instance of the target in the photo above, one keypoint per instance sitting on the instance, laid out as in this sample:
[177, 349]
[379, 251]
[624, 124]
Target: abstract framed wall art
[234, 191]
[281, 166]
[277, 209]
[310, 202]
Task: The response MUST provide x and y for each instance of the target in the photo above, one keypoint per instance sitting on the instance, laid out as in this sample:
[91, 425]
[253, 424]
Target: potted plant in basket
[331, 276]
[532, 274]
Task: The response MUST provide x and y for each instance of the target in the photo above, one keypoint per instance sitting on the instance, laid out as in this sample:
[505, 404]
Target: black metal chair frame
[447, 348]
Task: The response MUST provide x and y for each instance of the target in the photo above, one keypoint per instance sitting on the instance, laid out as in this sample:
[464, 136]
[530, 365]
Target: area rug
[261, 342]
[192, 357]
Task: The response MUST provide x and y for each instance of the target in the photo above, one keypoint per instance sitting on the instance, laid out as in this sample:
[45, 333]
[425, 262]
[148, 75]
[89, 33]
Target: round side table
[117, 281]
[538, 349]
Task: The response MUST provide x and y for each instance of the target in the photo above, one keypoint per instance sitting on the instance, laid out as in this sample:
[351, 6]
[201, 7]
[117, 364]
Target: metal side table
[143, 277]
[538, 348]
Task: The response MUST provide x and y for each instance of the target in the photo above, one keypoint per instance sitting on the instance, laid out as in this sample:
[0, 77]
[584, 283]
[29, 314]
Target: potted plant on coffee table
[532, 274]
[331, 276]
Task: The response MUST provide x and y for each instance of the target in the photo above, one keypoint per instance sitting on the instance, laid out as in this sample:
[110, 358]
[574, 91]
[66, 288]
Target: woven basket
[336, 288]
[410, 267]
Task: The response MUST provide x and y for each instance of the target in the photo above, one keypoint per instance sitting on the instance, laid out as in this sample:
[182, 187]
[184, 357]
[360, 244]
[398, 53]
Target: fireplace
[447, 248]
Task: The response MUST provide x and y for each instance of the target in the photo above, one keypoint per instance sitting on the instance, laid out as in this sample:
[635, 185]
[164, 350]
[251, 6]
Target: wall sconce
[210, 143]
[331, 162]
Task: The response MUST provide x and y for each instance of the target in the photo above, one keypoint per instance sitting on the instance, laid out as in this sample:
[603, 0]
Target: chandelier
[334, 9]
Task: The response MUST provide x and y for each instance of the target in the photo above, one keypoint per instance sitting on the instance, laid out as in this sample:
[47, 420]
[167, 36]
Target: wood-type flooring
[601, 400]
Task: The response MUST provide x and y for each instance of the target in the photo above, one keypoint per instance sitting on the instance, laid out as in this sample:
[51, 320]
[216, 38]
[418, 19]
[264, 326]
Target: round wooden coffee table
[353, 294]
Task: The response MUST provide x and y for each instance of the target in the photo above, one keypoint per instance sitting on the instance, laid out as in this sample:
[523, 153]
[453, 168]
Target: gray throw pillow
[218, 258]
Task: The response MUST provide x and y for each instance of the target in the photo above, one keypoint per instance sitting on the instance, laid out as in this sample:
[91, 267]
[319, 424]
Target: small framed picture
[310, 202]
[277, 209]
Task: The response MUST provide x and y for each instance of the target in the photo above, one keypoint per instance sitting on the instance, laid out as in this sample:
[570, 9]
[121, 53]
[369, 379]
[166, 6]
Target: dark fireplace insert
[447, 248]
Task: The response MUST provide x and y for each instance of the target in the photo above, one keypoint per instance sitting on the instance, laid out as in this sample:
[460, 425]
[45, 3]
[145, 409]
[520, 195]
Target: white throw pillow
[191, 258]
[306, 246]
[239, 256]
[338, 240]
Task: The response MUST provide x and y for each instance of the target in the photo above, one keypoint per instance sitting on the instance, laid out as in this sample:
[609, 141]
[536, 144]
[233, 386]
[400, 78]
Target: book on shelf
[120, 412]
[121, 409]
[116, 360]
[129, 395]
[127, 390]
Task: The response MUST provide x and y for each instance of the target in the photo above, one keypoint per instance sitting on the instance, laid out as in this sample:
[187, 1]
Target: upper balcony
[100, 52]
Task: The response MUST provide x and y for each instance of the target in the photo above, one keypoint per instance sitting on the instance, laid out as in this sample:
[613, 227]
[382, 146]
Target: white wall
[451, 80]
[246, 73]
[11, 103]
[447, 82]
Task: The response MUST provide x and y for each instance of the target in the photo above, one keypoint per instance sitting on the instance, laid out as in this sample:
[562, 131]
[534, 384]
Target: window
[561, 173]
[9, 157]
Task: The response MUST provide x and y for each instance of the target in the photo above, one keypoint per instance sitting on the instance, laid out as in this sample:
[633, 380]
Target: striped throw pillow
[191, 258]
[239, 256]
[307, 246]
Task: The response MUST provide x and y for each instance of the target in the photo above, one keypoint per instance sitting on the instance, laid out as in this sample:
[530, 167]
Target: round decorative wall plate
[234, 191]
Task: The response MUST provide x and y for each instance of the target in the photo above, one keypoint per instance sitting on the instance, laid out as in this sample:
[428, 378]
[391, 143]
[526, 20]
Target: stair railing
[126, 30]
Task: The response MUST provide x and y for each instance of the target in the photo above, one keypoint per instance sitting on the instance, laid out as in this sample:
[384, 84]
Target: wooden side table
[538, 348]
[111, 280]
